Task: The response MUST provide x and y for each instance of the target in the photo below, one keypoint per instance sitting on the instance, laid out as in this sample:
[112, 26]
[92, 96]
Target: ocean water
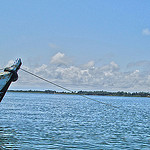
[66, 122]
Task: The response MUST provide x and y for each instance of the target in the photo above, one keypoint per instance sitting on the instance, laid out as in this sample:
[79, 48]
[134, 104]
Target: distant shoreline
[98, 93]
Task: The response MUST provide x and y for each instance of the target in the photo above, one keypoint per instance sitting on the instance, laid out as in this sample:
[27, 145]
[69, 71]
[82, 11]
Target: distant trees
[119, 93]
[100, 93]
[50, 91]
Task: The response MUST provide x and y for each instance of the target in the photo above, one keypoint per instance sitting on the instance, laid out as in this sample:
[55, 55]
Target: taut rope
[66, 88]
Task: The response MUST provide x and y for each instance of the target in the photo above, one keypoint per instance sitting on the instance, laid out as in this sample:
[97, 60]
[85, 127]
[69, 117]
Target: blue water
[65, 122]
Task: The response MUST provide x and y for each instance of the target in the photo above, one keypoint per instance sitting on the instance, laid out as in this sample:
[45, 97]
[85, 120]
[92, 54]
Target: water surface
[65, 122]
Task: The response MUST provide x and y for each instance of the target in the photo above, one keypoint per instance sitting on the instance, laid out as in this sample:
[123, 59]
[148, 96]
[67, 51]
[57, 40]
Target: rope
[66, 88]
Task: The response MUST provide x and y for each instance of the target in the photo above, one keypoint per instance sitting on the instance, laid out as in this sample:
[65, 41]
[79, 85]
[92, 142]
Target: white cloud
[141, 65]
[89, 64]
[90, 77]
[146, 31]
[60, 59]
[11, 62]
[41, 68]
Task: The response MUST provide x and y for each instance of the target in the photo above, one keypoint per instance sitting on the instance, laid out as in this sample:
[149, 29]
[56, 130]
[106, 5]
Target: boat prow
[7, 76]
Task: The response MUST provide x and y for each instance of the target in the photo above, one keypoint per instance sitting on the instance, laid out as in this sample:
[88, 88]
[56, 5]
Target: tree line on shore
[100, 93]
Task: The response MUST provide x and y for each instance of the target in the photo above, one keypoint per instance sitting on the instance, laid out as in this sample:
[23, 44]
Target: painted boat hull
[9, 75]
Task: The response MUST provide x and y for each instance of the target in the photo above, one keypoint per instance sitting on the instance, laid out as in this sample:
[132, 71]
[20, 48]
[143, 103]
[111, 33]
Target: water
[66, 122]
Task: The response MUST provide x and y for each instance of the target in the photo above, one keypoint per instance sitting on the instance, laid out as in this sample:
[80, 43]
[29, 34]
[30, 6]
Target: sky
[79, 44]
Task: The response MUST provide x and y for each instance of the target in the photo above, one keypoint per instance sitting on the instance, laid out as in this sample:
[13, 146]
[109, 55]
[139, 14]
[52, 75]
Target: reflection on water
[44, 121]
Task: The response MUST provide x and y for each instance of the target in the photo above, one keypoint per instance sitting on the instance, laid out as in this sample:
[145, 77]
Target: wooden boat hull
[9, 75]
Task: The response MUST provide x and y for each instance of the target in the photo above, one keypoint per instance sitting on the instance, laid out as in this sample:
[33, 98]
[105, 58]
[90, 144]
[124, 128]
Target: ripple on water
[44, 121]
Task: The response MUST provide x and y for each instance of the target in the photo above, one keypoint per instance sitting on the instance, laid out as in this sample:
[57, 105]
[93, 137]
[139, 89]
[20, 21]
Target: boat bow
[7, 76]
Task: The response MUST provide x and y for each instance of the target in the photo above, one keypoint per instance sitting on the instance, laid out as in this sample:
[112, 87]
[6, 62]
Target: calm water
[65, 122]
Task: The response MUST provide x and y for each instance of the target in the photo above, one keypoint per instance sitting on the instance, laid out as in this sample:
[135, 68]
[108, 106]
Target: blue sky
[78, 33]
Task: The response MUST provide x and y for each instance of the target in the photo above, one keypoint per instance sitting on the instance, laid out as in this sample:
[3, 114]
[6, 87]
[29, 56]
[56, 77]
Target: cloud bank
[85, 77]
